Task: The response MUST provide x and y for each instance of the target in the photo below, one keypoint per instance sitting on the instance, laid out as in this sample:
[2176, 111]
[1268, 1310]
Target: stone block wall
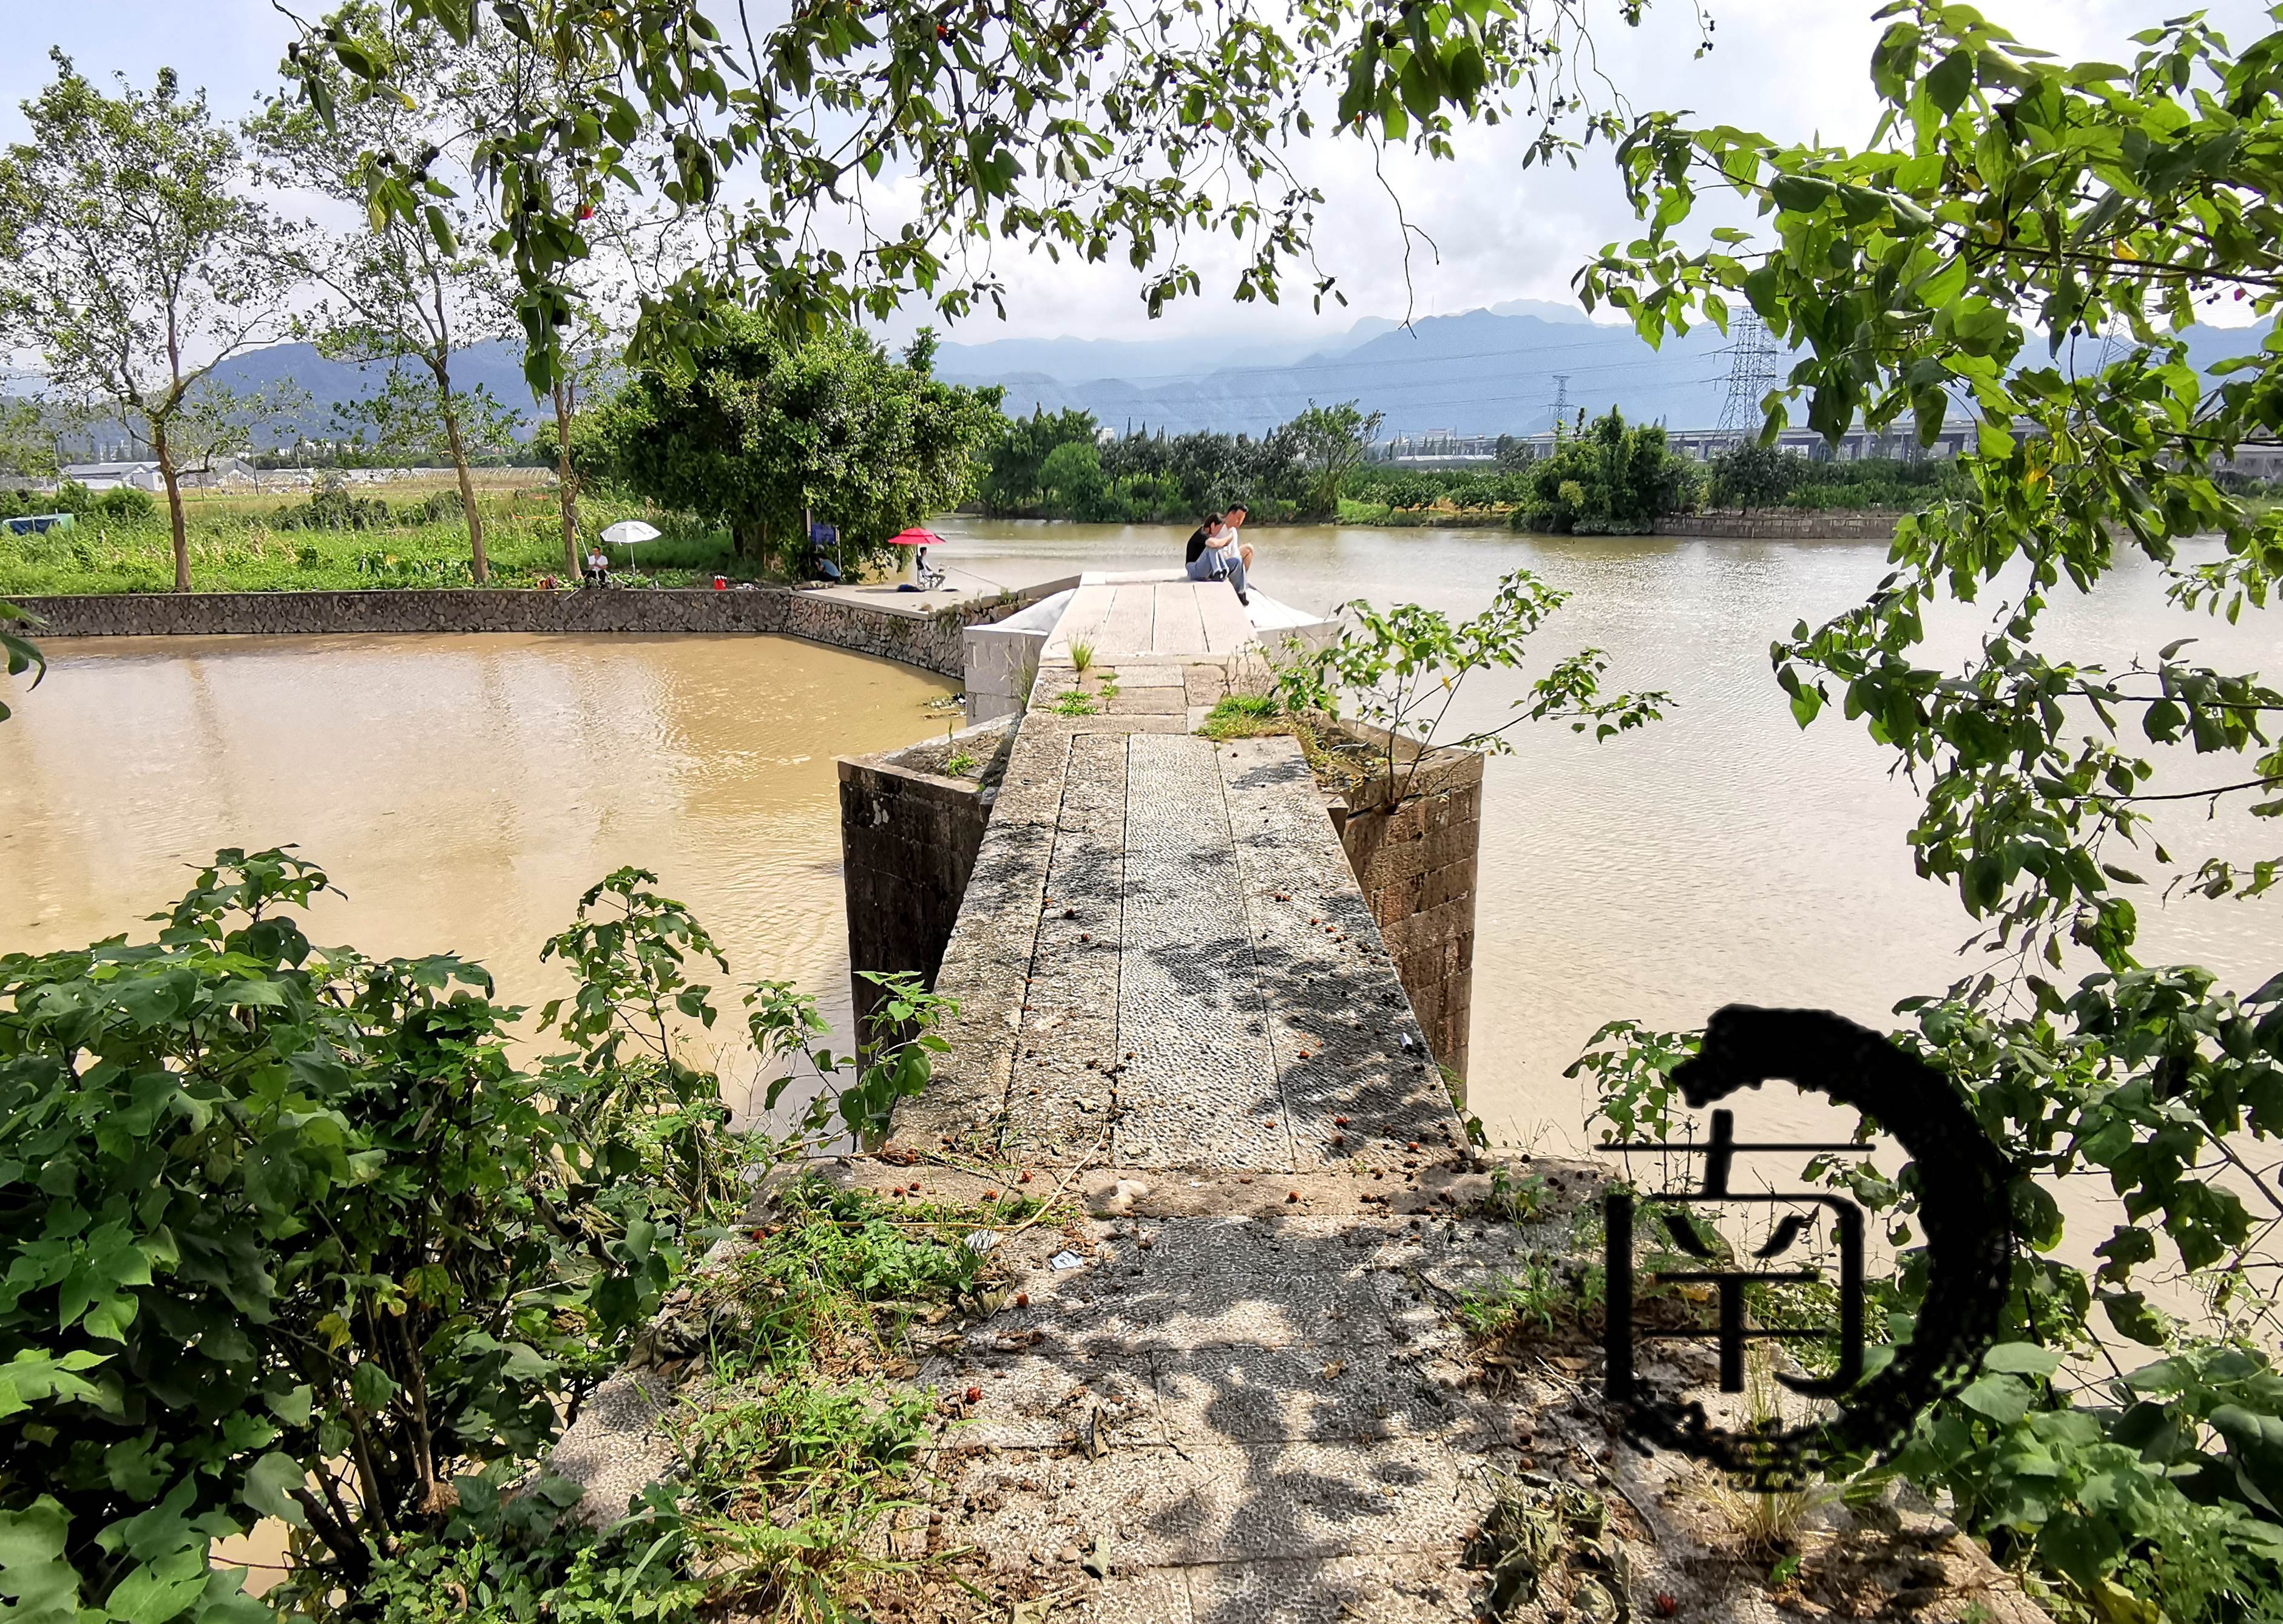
[909, 837]
[930, 641]
[1781, 525]
[1417, 865]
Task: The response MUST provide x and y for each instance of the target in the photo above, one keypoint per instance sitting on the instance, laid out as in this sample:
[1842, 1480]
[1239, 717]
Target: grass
[1333, 760]
[961, 764]
[1073, 703]
[1082, 656]
[793, 1445]
[1245, 715]
[1767, 1523]
[240, 543]
[1543, 1298]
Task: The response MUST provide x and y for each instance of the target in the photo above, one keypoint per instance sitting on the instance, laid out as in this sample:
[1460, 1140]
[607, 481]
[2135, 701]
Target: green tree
[27, 440]
[409, 293]
[412, 418]
[1086, 131]
[1331, 442]
[131, 260]
[1749, 474]
[1401, 670]
[2031, 241]
[1608, 480]
[1070, 480]
[759, 433]
[1012, 483]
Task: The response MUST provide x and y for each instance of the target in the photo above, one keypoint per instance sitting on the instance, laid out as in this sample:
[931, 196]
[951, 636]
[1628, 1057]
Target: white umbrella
[627, 532]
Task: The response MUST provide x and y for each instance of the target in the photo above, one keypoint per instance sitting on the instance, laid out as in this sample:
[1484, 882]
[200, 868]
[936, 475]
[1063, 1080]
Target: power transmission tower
[1752, 361]
[1561, 399]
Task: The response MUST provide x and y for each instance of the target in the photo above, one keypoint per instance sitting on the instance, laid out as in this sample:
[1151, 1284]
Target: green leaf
[2004, 1399]
[42, 1587]
[2021, 1359]
[158, 1590]
[1950, 79]
[270, 1486]
[371, 1386]
[2137, 1319]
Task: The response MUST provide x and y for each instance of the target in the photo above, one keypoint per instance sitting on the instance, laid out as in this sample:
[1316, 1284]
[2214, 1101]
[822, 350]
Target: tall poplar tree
[410, 292]
[132, 259]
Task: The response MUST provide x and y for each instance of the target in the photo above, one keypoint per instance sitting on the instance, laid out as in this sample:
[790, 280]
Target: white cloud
[1788, 68]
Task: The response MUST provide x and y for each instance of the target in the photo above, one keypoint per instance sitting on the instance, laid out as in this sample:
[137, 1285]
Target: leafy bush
[331, 507]
[437, 507]
[1399, 671]
[125, 505]
[1609, 480]
[290, 1235]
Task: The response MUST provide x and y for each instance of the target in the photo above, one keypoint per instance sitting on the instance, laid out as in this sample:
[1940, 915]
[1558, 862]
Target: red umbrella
[916, 537]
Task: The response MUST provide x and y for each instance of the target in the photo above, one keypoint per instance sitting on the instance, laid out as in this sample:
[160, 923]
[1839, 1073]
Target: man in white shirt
[1217, 554]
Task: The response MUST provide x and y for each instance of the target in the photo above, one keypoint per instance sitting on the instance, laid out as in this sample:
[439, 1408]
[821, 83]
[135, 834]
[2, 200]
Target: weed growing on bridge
[1075, 704]
[1081, 656]
[792, 1447]
[1400, 671]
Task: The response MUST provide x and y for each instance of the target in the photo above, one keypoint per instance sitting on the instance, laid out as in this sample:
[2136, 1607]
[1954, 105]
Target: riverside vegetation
[2037, 236]
[291, 1236]
[337, 537]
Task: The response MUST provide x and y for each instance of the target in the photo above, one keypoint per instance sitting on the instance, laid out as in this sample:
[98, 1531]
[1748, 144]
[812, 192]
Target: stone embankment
[932, 640]
[1776, 524]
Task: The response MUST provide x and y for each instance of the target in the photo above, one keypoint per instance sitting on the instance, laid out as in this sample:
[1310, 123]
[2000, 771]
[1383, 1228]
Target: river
[461, 791]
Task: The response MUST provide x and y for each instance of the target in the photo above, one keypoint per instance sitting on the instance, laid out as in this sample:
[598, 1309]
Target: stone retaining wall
[908, 836]
[1417, 866]
[1782, 526]
[929, 641]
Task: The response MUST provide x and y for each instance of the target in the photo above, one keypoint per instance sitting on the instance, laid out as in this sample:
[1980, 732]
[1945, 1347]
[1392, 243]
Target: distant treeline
[1607, 477]
[1058, 466]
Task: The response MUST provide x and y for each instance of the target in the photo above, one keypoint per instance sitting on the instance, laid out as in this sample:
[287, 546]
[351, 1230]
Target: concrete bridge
[1173, 996]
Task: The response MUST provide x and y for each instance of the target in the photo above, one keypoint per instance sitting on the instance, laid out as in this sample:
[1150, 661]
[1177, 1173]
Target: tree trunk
[749, 541]
[173, 506]
[479, 565]
[567, 483]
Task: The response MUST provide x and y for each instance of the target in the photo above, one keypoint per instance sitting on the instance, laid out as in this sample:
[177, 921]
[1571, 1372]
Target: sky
[1788, 68]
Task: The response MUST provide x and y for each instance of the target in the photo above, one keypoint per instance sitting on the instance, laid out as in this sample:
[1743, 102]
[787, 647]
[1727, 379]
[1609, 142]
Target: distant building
[144, 475]
[113, 476]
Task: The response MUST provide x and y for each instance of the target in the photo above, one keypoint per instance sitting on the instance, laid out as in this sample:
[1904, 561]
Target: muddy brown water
[462, 790]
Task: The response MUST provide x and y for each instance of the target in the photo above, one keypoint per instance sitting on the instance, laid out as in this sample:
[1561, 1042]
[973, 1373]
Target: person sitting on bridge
[1215, 553]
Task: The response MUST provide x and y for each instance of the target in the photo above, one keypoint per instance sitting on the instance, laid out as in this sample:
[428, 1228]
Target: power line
[1352, 360]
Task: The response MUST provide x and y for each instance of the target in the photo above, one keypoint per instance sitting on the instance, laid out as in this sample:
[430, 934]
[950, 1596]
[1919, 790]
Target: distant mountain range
[1487, 371]
[1496, 370]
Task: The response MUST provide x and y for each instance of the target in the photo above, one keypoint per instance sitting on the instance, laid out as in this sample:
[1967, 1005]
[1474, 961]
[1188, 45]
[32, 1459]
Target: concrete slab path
[1170, 983]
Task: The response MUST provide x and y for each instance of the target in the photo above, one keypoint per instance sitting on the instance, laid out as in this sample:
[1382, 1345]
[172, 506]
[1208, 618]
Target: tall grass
[237, 543]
